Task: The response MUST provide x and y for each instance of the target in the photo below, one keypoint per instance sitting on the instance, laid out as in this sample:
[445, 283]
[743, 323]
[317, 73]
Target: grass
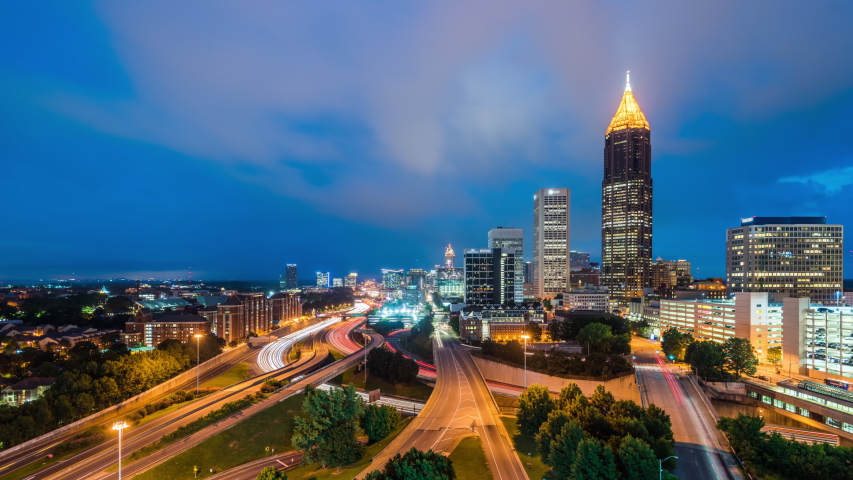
[336, 354]
[469, 460]
[420, 345]
[525, 447]
[506, 401]
[416, 390]
[237, 373]
[348, 472]
[242, 443]
[295, 350]
[160, 413]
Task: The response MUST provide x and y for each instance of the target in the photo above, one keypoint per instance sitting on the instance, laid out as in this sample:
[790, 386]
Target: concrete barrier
[135, 402]
[622, 388]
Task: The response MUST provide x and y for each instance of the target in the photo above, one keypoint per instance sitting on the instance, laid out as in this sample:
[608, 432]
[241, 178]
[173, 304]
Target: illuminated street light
[525, 337]
[197, 357]
[119, 426]
[660, 466]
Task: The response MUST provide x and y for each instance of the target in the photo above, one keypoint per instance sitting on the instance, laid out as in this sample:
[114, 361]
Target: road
[460, 402]
[698, 443]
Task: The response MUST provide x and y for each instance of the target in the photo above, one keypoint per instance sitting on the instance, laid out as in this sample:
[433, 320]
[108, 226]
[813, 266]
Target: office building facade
[489, 276]
[324, 279]
[392, 279]
[578, 259]
[626, 202]
[351, 280]
[800, 256]
[290, 278]
[513, 239]
[551, 236]
[500, 323]
[450, 282]
[670, 274]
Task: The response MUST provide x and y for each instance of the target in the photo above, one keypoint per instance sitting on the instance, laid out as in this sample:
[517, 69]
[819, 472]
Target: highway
[698, 443]
[460, 403]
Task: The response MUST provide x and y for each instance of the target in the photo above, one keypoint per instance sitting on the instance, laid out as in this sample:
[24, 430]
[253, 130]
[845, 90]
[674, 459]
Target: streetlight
[197, 357]
[119, 426]
[525, 337]
[660, 466]
[365, 337]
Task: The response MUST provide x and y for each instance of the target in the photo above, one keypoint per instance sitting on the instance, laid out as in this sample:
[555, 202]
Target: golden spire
[628, 115]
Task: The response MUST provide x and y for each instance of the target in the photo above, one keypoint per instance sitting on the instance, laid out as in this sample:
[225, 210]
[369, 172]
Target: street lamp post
[525, 337]
[197, 358]
[119, 426]
[660, 466]
[365, 337]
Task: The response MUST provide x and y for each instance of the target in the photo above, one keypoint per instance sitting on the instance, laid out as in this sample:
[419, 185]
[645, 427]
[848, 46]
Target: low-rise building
[26, 390]
[169, 327]
[592, 298]
[825, 346]
[500, 323]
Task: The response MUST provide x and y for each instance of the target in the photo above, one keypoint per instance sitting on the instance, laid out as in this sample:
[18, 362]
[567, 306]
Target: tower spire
[628, 81]
[628, 115]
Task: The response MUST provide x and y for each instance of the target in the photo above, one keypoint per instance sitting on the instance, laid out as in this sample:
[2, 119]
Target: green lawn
[165, 411]
[237, 373]
[469, 460]
[419, 345]
[416, 390]
[36, 466]
[525, 447]
[336, 354]
[311, 472]
[240, 444]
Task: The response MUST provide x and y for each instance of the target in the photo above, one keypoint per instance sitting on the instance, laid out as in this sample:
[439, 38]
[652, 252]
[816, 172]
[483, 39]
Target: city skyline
[119, 157]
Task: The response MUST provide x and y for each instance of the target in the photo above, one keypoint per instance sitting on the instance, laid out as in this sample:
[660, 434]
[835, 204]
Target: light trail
[271, 357]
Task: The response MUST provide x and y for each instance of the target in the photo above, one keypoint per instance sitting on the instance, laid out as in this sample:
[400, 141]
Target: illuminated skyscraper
[291, 281]
[626, 202]
[449, 256]
[511, 238]
[551, 242]
[324, 279]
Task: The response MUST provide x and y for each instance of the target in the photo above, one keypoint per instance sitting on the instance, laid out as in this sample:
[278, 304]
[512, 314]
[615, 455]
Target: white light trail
[271, 356]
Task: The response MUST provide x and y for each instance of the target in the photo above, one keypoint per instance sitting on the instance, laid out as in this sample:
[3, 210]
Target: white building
[754, 316]
[825, 346]
[324, 280]
[551, 235]
[595, 299]
[351, 280]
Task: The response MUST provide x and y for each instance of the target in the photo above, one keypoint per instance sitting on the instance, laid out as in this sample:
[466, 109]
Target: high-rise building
[626, 202]
[511, 238]
[449, 256]
[351, 280]
[450, 282]
[669, 274]
[579, 259]
[324, 279]
[416, 277]
[489, 276]
[551, 242]
[290, 278]
[337, 282]
[800, 256]
[392, 279]
[528, 272]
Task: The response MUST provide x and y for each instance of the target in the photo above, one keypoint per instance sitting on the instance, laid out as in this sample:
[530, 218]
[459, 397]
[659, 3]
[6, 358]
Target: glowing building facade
[551, 234]
[626, 202]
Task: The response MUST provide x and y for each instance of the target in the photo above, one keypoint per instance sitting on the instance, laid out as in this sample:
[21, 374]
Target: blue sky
[142, 139]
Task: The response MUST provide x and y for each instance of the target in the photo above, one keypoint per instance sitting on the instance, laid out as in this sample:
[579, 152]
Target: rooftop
[628, 115]
[747, 222]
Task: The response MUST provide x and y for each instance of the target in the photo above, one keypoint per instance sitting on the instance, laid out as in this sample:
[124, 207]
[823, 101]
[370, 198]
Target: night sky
[139, 139]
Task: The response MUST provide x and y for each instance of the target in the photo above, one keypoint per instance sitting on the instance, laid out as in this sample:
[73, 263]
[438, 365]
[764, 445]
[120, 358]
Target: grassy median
[469, 460]
[235, 374]
[242, 443]
[525, 447]
[416, 389]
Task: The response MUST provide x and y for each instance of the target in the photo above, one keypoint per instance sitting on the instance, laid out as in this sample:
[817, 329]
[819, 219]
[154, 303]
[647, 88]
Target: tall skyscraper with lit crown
[626, 202]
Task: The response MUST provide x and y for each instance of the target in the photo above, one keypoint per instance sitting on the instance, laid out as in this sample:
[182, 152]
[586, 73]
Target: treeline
[711, 360]
[393, 367]
[387, 326]
[321, 302]
[772, 454]
[557, 362]
[327, 431]
[595, 438]
[87, 310]
[91, 380]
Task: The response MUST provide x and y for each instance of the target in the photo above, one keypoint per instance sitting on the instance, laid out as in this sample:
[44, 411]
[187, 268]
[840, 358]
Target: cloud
[830, 181]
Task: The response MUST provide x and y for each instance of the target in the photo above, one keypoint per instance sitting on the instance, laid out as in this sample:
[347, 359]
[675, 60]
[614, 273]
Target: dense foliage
[559, 363]
[271, 473]
[771, 454]
[326, 432]
[89, 380]
[379, 421]
[722, 361]
[567, 328]
[325, 301]
[393, 367]
[387, 326]
[178, 397]
[415, 465]
[595, 438]
[83, 310]
[674, 343]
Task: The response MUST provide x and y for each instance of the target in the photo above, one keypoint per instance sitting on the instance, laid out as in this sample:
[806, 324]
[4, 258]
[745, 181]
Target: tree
[594, 335]
[326, 433]
[568, 394]
[119, 303]
[271, 473]
[774, 355]
[564, 447]
[415, 465]
[601, 399]
[549, 431]
[454, 324]
[594, 461]
[379, 421]
[707, 358]
[637, 460]
[740, 356]
[534, 405]
[534, 330]
[674, 343]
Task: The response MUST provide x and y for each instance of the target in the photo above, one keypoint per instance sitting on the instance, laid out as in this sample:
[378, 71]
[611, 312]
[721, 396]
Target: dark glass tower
[626, 202]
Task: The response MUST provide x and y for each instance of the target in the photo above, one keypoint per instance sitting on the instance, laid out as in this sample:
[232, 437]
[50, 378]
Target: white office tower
[551, 234]
[511, 238]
